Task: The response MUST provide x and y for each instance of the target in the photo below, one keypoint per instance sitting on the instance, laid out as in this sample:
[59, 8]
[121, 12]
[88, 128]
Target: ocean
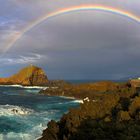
[24, 113]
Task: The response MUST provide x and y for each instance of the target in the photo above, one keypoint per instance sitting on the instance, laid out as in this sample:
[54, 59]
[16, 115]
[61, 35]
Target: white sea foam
[11, 110]
[34, 87]
[32, 134]
[74, 99]
[66, 97]
[78, 101]
[10, 85]
[26, 87]
[32, 90]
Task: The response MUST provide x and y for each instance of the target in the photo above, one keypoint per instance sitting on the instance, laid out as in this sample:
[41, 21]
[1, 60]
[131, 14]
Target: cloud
[9, 29]
[26, 59]
[9, 25]
[86, 45]
[89, 44]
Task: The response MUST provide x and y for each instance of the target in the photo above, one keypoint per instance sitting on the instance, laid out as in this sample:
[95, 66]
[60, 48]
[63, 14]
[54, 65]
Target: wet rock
[114, 116]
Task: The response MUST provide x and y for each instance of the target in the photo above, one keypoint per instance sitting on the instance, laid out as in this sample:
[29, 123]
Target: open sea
[24, 113]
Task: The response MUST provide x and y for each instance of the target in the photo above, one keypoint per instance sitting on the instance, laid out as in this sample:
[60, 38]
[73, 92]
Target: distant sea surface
[91, 81]
[24, 113]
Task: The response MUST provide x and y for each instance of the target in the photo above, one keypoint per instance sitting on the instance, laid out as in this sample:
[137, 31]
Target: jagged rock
[90, 90]
[123, 116]
[52, 133]
[115, 116]
[93, 120]
[28, 76]
[135, 82]
[134, 106]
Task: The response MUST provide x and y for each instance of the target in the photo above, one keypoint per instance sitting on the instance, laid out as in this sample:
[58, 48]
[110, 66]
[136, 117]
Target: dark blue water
[24, 113]
[92, 81]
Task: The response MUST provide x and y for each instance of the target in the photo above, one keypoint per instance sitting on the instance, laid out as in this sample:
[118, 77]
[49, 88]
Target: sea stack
[28, 76]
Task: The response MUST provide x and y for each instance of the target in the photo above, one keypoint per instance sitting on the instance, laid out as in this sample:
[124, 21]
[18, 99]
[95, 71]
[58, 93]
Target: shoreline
[107, 93]
[74, 99]
[111, 114]
[40, 105]
[28, 87]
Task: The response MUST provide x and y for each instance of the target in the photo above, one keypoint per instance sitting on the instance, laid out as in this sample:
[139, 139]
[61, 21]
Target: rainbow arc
[70, 10]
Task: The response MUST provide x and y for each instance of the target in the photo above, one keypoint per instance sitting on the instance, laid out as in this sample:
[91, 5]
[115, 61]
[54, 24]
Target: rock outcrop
[28, 76]
[90, 90]
[115, 116]
[135, 82]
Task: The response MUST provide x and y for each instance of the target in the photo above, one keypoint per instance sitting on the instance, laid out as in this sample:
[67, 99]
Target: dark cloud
[80, 45]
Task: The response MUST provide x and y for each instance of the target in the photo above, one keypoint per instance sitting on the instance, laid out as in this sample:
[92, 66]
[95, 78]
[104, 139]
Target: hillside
[28, 76]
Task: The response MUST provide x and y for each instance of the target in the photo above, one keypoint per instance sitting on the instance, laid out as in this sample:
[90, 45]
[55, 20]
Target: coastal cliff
[28, 76]
[110, 110]
[111, 114]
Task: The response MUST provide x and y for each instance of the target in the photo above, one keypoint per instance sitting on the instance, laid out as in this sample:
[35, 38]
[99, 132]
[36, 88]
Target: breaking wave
[26, 87]
[24, 115]
[31, 134]
[10, 110]
[78, 101]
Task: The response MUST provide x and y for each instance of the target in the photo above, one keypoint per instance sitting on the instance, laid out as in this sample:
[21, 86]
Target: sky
[91, 44]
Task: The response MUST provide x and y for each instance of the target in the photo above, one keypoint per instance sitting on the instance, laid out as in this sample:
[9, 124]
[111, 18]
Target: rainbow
[69, 10]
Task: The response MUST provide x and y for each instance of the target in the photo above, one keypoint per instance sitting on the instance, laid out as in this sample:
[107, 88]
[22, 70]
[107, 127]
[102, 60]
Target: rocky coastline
[110, 111]
[91, 90]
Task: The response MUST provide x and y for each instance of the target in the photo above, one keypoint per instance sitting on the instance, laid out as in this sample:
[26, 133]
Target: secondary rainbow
[32, 24]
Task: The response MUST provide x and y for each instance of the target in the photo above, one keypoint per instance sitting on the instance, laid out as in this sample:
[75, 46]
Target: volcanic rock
[28, 76]
[91, 90]
[116, 116]
[135, 82]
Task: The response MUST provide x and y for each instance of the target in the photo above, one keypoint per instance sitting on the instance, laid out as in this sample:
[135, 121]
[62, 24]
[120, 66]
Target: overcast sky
[79, 45]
